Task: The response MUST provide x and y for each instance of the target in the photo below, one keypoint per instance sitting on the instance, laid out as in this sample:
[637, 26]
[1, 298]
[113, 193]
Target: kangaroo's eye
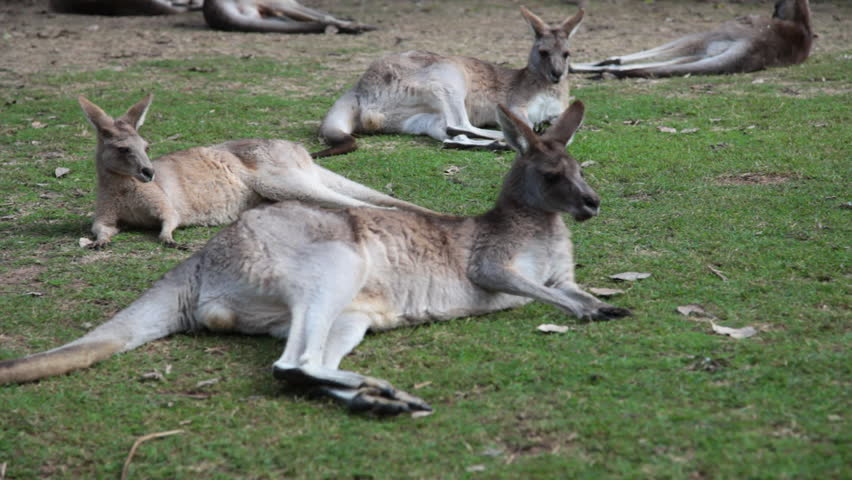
[123, 150]
[552, 177]
[566, 54]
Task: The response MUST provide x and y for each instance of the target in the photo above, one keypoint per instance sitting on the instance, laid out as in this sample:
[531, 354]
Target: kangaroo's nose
[591, 201]
[148, 173]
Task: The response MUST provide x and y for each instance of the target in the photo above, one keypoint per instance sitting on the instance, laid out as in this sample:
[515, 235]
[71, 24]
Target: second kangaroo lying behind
[205, 185]
[322, 278]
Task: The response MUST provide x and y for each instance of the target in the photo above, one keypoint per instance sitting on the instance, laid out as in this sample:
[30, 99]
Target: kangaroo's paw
[98, 245]
[609, 312]
[171, 243]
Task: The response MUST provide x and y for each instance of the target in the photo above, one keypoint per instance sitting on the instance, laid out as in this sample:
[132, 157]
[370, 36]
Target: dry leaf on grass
[551, 328]
[418, 386]
[630, 276]
[152, 375]
[606, 292]
[451, 170]
[61, 172]
[588, 163]
[694, 309]
[689, 130]
[492, 452]
[475, 468]
[421, 413]
[207, 383]
[737, 333]
[84, 242]
[667, 129]
[38, 124]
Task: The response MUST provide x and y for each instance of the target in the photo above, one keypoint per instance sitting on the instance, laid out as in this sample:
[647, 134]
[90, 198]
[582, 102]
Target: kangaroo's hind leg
[323, 281]
[374, 395]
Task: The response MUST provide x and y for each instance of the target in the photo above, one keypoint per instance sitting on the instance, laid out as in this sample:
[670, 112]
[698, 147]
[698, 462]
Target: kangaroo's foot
[358, 392]
[379, 401]
[461, 142]
[608, 312]
[454, 132]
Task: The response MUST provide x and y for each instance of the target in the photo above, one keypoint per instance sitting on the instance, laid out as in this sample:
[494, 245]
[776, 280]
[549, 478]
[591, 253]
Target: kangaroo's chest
[544, 107]
[137, 204]
[206, 187]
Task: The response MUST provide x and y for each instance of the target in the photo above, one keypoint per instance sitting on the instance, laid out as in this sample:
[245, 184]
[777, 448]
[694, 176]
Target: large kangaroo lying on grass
[746, 44]
[204, 185]
[423, 93]
[322, 278]
[281, 16]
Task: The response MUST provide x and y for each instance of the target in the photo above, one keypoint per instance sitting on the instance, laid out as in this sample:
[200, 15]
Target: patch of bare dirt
[34, 39]
[756, 178]
[20, 276]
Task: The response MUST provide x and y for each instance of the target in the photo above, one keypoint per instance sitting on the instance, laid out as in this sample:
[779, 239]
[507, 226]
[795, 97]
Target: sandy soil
[34, 40]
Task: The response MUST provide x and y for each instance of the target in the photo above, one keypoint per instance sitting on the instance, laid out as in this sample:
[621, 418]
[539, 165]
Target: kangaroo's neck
[108, 181]
[515, 213]
[534, 82]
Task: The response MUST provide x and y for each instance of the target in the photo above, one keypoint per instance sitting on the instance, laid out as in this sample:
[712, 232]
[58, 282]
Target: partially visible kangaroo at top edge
[450, 97]
[205, 185]
[277, 16]
[125, 7]
[742, 45]
[323, 278]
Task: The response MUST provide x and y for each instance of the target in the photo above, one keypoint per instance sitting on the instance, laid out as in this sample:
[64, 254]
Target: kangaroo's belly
[416, 300]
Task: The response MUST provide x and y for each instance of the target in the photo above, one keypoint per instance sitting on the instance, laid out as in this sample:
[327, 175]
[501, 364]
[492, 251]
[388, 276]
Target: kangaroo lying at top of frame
[271, 272]
[281, 16]
[423, 93]
[204, 185]
[746, 44]
[125, 7]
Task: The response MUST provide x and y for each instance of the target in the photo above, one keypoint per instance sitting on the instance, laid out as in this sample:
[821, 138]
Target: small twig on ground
[718, 273]
[139, 441]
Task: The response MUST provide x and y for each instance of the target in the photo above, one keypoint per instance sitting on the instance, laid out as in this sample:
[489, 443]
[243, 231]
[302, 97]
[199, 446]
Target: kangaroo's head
[121, 150]
[544, 176]
[549, 56]
[796, 11]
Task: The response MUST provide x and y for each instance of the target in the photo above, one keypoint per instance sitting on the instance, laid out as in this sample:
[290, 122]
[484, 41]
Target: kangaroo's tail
[161, 311]
[338, 125]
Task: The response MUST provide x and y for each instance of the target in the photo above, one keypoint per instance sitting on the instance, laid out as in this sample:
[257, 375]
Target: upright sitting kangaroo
[746, 44]
[204, 185]
[322, 278]
[423, 93]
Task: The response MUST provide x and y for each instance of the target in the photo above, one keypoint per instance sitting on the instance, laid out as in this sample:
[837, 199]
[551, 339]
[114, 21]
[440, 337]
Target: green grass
[613, 400]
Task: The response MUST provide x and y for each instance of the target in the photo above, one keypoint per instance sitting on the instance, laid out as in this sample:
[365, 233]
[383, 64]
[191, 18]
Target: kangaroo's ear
[517, 133]
[567, 125]
[136, 114]
[570, 26]
[538, 26]
[97, 117]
